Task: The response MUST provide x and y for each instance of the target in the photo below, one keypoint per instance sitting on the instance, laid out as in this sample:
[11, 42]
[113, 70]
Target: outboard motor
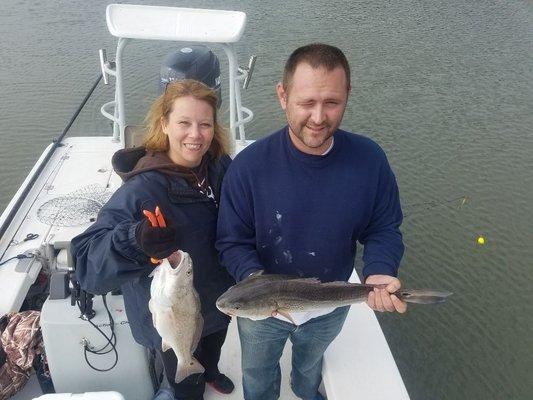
[192, 62]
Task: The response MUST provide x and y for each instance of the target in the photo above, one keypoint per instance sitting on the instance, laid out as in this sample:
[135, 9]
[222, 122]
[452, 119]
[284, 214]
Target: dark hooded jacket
[108, 257]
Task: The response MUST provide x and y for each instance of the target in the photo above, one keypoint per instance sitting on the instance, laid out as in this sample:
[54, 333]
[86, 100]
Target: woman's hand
[155, 241]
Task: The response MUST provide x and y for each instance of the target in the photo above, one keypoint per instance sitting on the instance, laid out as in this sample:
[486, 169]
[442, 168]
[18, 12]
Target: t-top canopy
[174, 23]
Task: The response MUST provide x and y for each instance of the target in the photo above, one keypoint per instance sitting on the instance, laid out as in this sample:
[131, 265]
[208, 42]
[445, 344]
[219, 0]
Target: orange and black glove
[156, 241]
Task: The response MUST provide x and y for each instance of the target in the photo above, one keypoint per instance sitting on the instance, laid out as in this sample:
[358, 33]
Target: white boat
[60, 198]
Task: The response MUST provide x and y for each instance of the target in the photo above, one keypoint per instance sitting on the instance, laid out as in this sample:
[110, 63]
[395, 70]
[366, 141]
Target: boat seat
[133, 135]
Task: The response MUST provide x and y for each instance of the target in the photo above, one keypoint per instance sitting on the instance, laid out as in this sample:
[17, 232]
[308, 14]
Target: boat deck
[78, 163]
[357, 364]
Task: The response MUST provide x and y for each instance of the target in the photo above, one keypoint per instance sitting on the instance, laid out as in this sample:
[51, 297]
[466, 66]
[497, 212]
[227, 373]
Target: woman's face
[190, 129]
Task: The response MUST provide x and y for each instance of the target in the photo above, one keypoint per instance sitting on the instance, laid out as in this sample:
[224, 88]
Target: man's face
[314, 103]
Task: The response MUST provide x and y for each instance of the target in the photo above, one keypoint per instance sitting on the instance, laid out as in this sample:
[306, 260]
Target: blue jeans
[262, 344]
[164, 394]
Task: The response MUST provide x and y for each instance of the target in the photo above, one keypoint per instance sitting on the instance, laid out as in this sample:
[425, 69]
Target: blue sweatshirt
[289, 212]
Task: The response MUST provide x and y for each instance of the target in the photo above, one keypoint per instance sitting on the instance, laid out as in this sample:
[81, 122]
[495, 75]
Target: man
[296, 202]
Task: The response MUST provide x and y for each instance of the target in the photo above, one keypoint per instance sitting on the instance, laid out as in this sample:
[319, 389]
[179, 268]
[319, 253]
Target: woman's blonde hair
[156, 140]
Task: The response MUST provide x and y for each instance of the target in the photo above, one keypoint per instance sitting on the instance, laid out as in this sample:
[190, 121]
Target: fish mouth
[225, 312]
[222, 309]
[175, 259]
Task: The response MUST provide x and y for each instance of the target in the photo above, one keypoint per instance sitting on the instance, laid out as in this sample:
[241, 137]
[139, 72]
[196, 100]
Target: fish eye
[189, 271]
[405, 294]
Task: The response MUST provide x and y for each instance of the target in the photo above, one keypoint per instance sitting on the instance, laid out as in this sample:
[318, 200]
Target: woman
[180, 169]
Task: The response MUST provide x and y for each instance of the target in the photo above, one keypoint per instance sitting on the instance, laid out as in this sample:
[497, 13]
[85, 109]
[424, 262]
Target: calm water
[444, 87]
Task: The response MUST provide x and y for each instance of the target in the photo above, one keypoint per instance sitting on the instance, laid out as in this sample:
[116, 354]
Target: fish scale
[307, 295]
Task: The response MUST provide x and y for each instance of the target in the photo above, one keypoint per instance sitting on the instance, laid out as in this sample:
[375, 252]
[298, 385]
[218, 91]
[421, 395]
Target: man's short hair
[316, 55]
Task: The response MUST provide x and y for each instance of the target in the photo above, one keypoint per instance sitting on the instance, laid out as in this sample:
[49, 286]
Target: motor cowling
[192, 62]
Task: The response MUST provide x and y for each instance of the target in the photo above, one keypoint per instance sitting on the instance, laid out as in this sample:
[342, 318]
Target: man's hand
[381, 299]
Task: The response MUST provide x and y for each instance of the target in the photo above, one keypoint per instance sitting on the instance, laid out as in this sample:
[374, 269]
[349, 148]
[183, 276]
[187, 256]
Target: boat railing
[219, 27]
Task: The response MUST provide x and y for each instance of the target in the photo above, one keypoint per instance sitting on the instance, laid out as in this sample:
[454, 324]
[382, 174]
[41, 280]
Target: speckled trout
[260, 295]
[175, 308]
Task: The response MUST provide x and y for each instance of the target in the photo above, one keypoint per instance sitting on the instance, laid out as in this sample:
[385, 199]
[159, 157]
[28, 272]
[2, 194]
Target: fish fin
[162, 301]
[275, 277]
[304, 280]
[333, 283]
[164, 345]
[352, 284]
[286, 314]
[423, 296]
[282, 277]
[197, 333]
[152, 274]
[151, 308]
[260, 274]
[183, 371]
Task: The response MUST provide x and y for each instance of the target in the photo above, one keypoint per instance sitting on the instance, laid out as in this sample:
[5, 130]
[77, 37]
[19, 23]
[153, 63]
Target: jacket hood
[130, 162]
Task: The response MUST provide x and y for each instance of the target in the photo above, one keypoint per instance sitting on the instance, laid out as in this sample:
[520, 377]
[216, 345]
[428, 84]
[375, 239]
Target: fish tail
[183, 370]
[423, 296]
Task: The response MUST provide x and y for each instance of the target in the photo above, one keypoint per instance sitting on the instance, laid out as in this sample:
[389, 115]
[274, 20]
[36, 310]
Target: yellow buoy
[480, 240]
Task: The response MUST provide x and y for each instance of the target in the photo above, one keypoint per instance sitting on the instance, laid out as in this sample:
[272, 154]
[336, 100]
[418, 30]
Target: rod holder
[103, 61]
[248, 71]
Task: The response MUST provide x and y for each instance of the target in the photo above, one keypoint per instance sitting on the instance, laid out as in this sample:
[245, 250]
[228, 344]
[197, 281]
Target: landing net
[76, 208]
